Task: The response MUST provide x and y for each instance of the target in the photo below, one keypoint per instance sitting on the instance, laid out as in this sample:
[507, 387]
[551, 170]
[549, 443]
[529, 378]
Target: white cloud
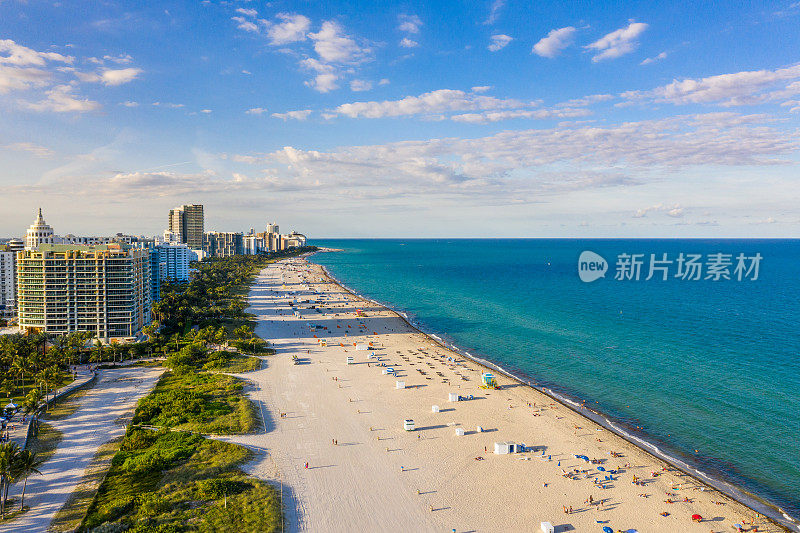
[247, 12]
[409, 23]
[440, 101]
[16, 78]
[301, 114]
[168, 105]
[334, 46]
[617, 43]
[674, 211]
[324, 83]
[12, 53]
[405, 42]
[129, 104]
[739, 88]
[122, 59]
[521, 165]
[246, 25]
[481, 88]
[33, 149]
[649, 60]
[256, 111]
[494, 11]
[496, 116]
[119, 76]
[61, 100]
[499, 42]
[293, 29]
[586, 100]
[360, 85]
[326, 77]
[384, 81]
[110, 77]
[206, 111]
[556, 41]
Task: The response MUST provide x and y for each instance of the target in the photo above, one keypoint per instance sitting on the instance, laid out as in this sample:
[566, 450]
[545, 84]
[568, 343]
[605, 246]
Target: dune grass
[176, 481]
[199, 402]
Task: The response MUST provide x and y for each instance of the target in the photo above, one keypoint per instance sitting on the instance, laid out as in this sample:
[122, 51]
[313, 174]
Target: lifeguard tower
[488, 381]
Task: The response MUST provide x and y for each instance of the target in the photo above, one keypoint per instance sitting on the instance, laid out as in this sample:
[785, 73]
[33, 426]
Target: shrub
[213, 489]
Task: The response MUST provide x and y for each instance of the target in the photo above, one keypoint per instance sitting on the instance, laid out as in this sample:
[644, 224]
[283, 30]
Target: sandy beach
[366, 473]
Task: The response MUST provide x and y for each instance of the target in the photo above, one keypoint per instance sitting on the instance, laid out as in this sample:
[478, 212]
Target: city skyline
[493, 118]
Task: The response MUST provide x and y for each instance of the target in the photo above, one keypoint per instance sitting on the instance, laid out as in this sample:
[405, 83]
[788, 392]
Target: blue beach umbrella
[607, 529]
[600, 468]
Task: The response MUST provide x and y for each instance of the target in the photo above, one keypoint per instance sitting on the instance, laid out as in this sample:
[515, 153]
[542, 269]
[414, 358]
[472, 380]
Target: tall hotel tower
[186, 222]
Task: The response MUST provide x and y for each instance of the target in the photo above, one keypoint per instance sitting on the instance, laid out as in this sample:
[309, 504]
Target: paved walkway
[93, 424]
[20, 432]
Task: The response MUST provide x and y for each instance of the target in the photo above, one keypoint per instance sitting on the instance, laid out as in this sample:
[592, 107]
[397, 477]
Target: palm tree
[97, 353]
[8, 453]
[23, 466]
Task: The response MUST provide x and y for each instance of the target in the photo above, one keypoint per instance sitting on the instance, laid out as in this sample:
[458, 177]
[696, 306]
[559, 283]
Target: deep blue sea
[700, 365]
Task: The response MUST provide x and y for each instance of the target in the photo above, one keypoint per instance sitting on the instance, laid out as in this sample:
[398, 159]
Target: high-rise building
[273, 228]
[187, 223]
[168, 262]
[8, 281]
[223, 244]
[101, 289]
[38, 233]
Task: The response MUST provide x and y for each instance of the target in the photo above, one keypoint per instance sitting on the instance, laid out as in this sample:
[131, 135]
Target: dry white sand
[382, 478]
[93, 424]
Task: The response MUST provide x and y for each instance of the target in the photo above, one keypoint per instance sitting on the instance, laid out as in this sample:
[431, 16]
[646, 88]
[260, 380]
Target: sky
[475, 118]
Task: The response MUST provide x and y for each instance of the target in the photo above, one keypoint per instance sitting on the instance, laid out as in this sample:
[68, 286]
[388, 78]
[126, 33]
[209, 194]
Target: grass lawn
[176, 481]
[23, 387]
[199, 402]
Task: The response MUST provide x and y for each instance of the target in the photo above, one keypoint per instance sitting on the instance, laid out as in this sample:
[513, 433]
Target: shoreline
[727, 489]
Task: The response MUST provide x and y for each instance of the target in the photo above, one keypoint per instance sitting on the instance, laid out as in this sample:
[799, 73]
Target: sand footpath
[365, 473]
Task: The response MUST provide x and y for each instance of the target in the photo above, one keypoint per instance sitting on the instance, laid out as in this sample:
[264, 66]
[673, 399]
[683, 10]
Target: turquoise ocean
[706, 372]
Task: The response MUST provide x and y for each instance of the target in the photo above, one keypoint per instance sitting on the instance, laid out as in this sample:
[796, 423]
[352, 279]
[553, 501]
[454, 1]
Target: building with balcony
[102, 289]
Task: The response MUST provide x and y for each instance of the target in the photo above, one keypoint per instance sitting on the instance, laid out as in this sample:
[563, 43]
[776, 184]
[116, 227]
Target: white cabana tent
[459, 432]
[547, 527]
[400, 384]
[434, 408]
[452, 397]
[503, 448]
[362, 347]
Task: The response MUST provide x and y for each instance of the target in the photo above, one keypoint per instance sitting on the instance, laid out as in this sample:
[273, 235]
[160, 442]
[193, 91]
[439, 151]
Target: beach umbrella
[600, 468]
[697, 517]
[607, 529]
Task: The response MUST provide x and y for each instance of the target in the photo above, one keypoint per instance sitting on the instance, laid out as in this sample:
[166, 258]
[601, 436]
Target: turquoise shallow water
[701, 365]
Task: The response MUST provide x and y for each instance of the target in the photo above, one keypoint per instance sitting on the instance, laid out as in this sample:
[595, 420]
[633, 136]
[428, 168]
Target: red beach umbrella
[697, 517]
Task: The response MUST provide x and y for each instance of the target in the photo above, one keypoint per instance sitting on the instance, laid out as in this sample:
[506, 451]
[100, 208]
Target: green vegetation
[175, 481]
[198, 402]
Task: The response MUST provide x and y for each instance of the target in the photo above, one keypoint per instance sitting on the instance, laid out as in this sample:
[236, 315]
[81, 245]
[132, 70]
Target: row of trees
[15, 464]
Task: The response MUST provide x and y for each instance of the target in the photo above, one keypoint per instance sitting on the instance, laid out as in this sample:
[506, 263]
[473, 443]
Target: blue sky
[403, 119]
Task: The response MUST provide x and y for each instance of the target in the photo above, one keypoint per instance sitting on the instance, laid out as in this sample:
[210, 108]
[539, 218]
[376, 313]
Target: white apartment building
[8, 282]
